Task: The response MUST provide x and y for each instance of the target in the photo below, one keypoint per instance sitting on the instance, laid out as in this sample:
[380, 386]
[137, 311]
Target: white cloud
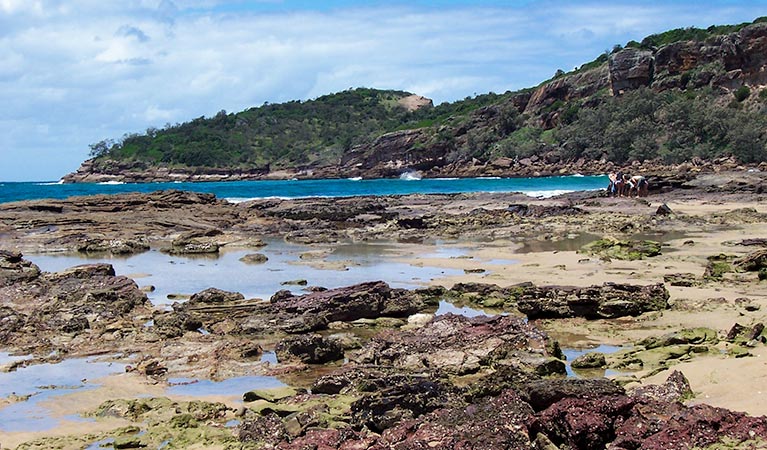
[85, 70]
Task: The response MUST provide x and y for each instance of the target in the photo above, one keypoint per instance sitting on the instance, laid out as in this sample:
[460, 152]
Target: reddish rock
[494, 423]
[456, 344]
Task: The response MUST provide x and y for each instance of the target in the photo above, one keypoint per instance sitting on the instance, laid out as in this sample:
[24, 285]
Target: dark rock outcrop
[214, 296]
[293, 314]
[609, 300]
[309, 349]
[493, 423]
[596, 302]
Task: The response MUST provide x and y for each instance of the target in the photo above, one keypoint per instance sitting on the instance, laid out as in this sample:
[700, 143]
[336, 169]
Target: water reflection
[467, 311]
[172, 275]
[571, 354]
[44, 381]
[231, 387]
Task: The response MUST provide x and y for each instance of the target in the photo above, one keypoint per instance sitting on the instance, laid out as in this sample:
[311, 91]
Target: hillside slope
[686, 95]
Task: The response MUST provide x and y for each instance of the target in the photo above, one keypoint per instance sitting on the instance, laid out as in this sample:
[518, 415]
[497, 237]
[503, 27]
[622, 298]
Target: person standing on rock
[620, 183]
[611, 188]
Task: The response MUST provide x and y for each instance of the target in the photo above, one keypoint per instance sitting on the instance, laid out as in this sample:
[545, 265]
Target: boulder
[407, 399]
[675, 389]
[117, 246]
[214, 296]
[194, 243]
[591, 360]
[314, 311]
[753, 262]
[254, 258]
[542, 394]
[14, 268]
[309, 349]
[657, 424]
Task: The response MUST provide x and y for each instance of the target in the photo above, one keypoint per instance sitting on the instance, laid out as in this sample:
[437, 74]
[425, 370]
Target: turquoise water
[243, 190]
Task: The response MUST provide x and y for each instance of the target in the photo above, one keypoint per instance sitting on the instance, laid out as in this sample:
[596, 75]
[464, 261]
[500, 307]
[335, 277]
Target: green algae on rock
[627, 250]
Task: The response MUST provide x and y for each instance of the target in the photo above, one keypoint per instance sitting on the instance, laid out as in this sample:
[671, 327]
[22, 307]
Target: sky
[74, 72]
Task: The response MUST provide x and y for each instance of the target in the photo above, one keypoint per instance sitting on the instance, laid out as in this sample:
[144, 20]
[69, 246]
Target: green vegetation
[742, 93]
[691, 34]
[673, 125]
[285, 134]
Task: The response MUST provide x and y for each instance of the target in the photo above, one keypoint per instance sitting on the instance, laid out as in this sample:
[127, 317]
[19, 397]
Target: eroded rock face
[44, 309]
[288, 313]
[567, 88]
[727, 61]
[609, 300]
[13, 268]
[630, 69]
[459, 345]
[394, 153]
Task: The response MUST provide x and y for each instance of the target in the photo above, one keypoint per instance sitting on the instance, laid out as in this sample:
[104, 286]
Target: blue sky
[73, 72]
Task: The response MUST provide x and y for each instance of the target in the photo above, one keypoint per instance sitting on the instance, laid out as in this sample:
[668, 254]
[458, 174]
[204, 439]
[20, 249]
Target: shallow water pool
[43, 382]
[187, 275]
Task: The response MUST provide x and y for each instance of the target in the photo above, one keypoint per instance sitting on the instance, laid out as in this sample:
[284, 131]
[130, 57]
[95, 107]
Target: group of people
[623, 185]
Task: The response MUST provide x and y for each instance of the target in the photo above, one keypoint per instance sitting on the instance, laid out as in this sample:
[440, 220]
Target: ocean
[238, 191]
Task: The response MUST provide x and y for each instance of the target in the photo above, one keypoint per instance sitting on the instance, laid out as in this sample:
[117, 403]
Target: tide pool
[171, 275]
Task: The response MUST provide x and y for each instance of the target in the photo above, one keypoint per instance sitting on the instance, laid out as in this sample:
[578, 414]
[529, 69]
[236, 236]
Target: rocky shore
[104, 171]
[673, 282]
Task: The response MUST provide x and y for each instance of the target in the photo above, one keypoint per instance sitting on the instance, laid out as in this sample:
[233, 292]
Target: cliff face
[454, 147]
[728, 62]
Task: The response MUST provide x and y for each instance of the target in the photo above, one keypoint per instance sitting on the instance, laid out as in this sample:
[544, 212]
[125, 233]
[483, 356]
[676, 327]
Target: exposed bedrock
[609, 300]
[295, 314]
[64, 310]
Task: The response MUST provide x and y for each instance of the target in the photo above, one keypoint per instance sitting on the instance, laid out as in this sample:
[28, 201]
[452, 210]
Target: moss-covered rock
[664, 351]
[254, 258]
[270, 395]
[687, 336]
[591, 360]
[681, 279]
[628, 250]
